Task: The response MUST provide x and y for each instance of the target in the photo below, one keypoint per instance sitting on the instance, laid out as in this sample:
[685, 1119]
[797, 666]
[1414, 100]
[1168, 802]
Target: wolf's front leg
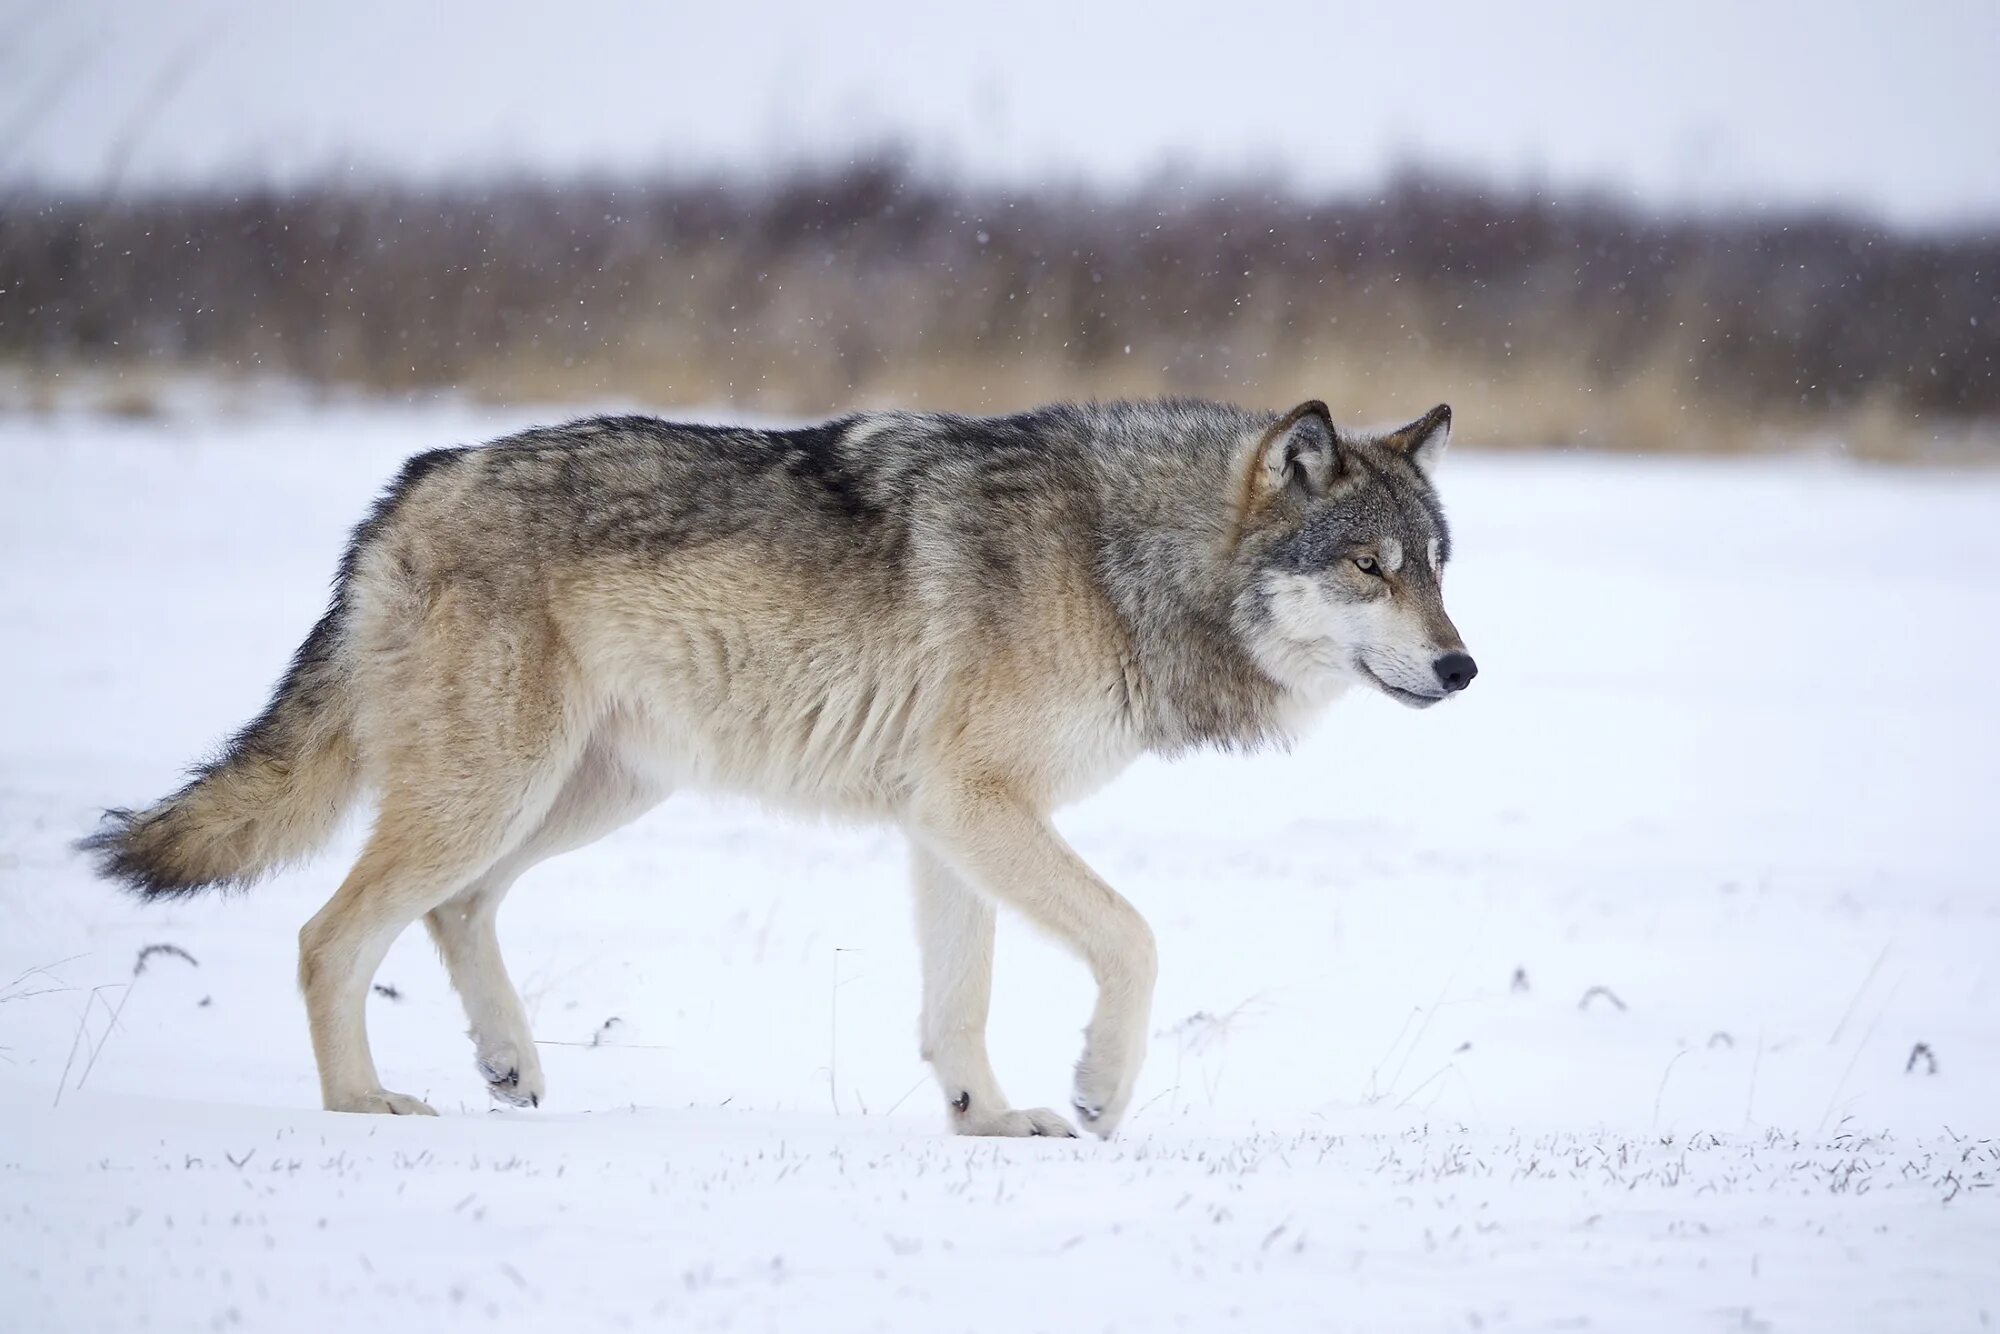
[1010, 853]
[955, 933]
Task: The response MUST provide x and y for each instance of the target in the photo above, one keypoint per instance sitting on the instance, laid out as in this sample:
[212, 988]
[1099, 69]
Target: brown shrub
[1544, 321]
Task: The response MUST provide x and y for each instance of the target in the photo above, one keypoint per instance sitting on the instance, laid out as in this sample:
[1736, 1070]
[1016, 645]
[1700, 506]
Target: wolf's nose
[1456, 670]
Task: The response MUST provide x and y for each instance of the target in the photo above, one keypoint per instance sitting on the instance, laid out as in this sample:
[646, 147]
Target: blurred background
[1710, 227]
[1650, 985]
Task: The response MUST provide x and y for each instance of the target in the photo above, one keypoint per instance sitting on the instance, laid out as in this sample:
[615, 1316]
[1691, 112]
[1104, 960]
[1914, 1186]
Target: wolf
[954, 624]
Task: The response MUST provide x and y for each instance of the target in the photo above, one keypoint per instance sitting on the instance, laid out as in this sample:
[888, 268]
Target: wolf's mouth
[1411, 698]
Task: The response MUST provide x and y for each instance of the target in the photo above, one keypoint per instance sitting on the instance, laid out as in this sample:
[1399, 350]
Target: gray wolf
[954, 624]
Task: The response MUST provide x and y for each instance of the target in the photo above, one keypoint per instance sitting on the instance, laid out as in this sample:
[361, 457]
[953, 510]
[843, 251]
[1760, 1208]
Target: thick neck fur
[1167, 485]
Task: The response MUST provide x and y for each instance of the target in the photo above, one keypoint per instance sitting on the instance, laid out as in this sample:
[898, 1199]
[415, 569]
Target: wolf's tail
[275, 793]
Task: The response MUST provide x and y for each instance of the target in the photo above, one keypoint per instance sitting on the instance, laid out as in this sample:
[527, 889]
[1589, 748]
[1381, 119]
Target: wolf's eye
[1367, 565]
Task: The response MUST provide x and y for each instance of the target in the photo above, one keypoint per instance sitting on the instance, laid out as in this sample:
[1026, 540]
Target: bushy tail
[275, 794]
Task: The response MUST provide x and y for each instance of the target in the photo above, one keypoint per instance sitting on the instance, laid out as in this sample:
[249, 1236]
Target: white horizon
[1779, 106]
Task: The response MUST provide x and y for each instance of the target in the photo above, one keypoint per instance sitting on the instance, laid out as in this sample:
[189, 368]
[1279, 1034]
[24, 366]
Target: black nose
[1456, 670]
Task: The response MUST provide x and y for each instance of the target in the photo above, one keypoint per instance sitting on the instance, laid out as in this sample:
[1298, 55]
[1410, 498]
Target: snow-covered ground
[1591, 1000]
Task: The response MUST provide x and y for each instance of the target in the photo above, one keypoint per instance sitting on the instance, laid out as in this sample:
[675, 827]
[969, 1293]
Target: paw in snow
[382, 1103]
[509, 1077]
[1101, 1096]
[1013, 1124]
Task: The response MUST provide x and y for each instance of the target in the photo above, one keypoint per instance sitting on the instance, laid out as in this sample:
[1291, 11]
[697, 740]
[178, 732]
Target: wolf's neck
[1192, 681]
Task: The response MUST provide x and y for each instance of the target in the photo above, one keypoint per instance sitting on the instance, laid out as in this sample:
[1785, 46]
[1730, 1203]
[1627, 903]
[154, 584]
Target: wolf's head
[1343, 545]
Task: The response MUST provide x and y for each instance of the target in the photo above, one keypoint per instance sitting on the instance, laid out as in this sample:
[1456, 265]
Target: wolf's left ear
[1422, 442]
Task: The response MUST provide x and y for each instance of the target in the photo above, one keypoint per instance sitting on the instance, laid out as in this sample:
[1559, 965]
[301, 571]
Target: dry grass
[1543, 323]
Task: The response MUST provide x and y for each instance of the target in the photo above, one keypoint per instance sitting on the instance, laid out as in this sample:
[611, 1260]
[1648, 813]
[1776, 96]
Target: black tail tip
[119, 854]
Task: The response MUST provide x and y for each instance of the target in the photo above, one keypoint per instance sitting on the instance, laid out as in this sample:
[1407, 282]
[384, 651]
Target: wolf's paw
[382, 1103]
[1015, 1124]
[1101, 1097]
[509, 1077]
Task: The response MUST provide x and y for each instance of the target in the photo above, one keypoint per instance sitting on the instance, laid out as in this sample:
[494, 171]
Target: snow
[1729, 758]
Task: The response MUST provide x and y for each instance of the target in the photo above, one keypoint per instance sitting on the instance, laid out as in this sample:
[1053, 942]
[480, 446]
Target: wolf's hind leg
[1010, 852]
[404, 870]
[464, 932]
[598, 797]
[437, 832]
[955, 932]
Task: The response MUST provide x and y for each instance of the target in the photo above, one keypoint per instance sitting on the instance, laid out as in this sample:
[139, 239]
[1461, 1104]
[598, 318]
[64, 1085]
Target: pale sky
[1893, 109]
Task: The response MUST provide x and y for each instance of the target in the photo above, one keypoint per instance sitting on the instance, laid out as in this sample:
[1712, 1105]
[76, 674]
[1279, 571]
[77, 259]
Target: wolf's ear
[1423, 440]
[1301, 450]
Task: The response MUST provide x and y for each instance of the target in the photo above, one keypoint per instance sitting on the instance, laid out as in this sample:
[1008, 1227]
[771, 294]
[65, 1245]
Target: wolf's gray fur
[952, 623]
